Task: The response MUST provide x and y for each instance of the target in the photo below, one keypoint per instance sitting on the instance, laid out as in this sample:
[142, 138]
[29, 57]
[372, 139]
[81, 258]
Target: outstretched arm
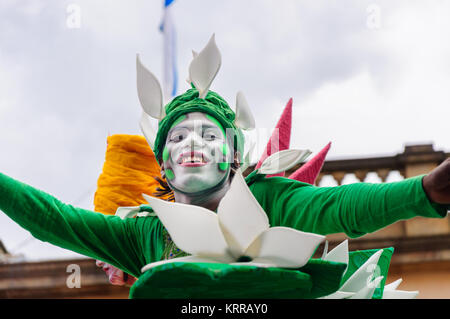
[122, 243]
[355, 209]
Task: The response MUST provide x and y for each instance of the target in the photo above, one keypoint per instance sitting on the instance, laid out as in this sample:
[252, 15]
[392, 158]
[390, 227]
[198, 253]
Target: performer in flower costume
[232, 237]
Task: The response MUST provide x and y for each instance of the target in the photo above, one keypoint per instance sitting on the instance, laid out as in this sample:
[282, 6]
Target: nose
[195, 141]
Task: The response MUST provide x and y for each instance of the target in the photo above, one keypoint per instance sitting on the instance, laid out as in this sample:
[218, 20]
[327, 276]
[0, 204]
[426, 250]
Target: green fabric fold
[211, 281]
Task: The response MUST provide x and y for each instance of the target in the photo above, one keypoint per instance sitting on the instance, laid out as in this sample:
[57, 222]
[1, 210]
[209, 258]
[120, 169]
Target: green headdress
[202, 72]
[213, 105]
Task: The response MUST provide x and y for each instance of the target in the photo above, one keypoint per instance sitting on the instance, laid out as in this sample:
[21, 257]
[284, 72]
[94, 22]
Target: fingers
[116, 276]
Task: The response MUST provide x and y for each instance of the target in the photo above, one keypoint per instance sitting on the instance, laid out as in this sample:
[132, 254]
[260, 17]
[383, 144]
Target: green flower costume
[132, 243]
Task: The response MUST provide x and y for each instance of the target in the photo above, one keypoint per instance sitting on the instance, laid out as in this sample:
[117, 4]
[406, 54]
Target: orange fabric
[128, 171]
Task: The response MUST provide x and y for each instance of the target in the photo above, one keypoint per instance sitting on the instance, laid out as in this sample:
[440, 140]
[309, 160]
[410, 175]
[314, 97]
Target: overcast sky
[369, 76]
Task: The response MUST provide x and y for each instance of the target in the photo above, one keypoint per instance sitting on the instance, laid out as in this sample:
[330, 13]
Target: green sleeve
[127, 244]
[355, 209]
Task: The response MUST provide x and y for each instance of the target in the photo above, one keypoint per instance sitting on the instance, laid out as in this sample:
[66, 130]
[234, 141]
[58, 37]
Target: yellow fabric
[128, 171]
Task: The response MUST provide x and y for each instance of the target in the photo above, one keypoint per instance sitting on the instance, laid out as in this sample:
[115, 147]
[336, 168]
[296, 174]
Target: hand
[437, 183]
[116, 276]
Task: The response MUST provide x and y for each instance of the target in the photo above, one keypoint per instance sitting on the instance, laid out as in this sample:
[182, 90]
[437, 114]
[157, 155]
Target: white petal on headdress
[244, 117]
[193, 229]
[194, 55]
[286, 247]
[204, 67]
[147, 129]
[283, 160]
[149, 91]
[241, 218]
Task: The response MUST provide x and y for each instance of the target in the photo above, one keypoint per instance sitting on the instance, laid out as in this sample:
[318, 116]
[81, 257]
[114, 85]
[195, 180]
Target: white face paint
[193, 157]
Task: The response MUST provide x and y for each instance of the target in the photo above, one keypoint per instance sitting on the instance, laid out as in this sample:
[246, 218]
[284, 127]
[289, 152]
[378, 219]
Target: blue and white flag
[167, 27]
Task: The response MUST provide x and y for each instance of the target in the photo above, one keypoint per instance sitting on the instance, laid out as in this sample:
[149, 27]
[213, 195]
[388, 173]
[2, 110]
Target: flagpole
[170, 74]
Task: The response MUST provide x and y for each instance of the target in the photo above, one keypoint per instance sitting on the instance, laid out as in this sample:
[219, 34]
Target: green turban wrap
[213, 104]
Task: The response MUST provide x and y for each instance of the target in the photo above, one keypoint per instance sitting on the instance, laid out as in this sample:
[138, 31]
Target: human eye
[177, 136]
[211, 135]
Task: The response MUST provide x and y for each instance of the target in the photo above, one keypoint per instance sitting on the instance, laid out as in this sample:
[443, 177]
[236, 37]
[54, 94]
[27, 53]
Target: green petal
[208, 280]
[358, 258]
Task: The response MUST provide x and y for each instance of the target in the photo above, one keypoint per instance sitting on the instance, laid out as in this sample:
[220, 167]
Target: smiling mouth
[192, 159]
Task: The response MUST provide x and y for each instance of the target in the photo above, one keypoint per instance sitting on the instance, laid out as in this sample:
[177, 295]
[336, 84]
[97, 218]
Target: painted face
[196, 155]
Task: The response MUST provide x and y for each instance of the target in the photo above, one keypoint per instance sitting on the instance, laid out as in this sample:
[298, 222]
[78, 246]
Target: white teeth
[195, 159]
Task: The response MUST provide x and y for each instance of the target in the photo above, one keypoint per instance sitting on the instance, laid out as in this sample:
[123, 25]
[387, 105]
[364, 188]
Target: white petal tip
[204, 67]
[283, 160]
[244, 117]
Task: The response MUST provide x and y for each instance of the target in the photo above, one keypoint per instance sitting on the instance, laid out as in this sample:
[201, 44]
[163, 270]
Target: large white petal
[283, 160]
[339, 254]
[187, 259]
[284, 247]
[147, 129]
[149, 91]
[193, 229]
[359, 279]
[241, 217]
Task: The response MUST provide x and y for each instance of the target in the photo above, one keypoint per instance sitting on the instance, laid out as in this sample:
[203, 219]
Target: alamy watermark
[376, 272]
[74, 279]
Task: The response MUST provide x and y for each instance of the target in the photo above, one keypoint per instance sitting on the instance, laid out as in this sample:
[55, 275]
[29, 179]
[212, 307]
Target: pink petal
[308, 173]
[281, 133]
